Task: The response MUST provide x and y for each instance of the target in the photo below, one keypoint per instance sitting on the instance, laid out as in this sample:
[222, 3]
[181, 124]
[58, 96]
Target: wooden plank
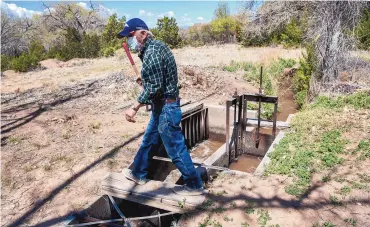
[152, 192]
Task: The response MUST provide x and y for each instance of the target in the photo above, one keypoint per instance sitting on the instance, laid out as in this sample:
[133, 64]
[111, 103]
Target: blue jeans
[165, 124]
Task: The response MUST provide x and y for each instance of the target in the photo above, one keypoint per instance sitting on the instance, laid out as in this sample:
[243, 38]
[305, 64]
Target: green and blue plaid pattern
[158, 73]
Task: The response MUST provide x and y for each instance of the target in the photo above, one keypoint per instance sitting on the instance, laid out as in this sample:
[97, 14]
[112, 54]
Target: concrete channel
[208, 148]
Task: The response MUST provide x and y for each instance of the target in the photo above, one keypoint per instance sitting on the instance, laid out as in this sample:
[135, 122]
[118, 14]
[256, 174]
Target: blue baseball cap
[132, 25]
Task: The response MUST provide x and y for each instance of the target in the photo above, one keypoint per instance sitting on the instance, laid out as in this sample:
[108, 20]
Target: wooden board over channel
[153, 193]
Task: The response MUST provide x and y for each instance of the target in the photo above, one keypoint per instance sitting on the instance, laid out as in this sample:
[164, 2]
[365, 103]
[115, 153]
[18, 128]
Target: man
[159, 78]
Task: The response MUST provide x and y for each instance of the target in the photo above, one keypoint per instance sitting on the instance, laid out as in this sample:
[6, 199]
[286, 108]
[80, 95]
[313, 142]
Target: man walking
[159, 78]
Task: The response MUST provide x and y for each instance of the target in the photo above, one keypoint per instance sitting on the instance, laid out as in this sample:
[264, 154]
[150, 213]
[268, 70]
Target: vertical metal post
[244, 123]
[274, 121]
[240, 124]
[235, 130]
[207, 124]
[228, 104]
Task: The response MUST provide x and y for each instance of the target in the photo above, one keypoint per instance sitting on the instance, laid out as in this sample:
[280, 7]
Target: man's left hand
[130, 115]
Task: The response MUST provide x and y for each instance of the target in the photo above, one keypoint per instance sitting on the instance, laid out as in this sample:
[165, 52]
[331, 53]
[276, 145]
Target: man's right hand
[130, 115]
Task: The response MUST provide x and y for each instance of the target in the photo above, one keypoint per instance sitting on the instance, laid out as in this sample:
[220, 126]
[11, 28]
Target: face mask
[133, 43]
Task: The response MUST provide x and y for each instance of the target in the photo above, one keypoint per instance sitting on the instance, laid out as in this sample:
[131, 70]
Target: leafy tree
[224, 27]
[222, 10]
[109, 40]
[168, 32]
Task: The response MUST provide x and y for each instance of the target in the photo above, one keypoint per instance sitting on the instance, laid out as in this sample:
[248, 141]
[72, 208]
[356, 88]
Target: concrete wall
[217, 117]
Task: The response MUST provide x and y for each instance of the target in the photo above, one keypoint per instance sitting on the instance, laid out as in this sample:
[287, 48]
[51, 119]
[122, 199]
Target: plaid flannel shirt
[159, 72]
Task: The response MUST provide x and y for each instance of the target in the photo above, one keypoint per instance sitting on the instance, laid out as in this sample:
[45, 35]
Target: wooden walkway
[153, 193]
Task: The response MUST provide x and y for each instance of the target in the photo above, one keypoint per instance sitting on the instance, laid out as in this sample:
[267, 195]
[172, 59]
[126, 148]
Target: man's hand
[130, 115]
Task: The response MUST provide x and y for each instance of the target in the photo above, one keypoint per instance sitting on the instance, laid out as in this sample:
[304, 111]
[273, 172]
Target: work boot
[185, 190]
[130, 176]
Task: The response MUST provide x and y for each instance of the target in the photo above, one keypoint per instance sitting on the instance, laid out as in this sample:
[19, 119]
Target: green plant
[24, 62]
[5, 62]
[351, 221]
[263, 217]
[167, 31]
[250, 205]
[109, 40]
[364, 178]
[356, 185]
[233, 204]
[47, 167]
[359, 100]
[335, 201]
[301, 80]
[219, 209]
[14, 140]
[227, 219]
[245, 224]
[249, 210]
[327, 224]
[207, 203]
[292, 35]
[363, 30]
[182, 203]
[345, 190]
[325, 178]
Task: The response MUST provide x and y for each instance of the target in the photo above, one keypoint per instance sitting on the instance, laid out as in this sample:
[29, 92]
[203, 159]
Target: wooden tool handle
[125, 47]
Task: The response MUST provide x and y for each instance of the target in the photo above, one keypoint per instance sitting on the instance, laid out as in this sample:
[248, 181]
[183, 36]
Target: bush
[90, 45]
[301, 80]
[363, 31]
[24, 62]
[108, 51]
[292, 34]
[5, 62]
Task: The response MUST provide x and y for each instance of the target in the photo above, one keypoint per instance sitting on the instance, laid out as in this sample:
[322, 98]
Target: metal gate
[237, 140]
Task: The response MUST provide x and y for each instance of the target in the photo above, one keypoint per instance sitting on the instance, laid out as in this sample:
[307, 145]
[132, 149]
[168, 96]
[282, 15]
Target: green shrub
[5, 62]
[24, 62]
[359, 100]
[37, 50]
[301, 80]
[90, 45]
[108, 51]
[292, 35]
[301, 98]
[363, 31]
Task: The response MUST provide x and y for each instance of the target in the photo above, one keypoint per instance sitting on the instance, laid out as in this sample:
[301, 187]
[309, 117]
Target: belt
[170, 100]
[165, 101]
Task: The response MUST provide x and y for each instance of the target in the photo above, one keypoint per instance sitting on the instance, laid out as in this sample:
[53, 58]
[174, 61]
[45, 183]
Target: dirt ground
[63, 129]
[336, 197]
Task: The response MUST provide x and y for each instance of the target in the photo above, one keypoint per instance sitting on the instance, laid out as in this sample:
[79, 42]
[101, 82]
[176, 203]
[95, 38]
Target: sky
[186, 13]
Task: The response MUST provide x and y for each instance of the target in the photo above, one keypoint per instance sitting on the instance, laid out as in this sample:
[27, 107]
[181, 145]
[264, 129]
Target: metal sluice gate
[237, 143]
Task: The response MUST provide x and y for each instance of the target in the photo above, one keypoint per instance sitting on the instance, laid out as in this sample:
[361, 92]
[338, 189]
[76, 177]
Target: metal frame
[235, 142]
[195, 127]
